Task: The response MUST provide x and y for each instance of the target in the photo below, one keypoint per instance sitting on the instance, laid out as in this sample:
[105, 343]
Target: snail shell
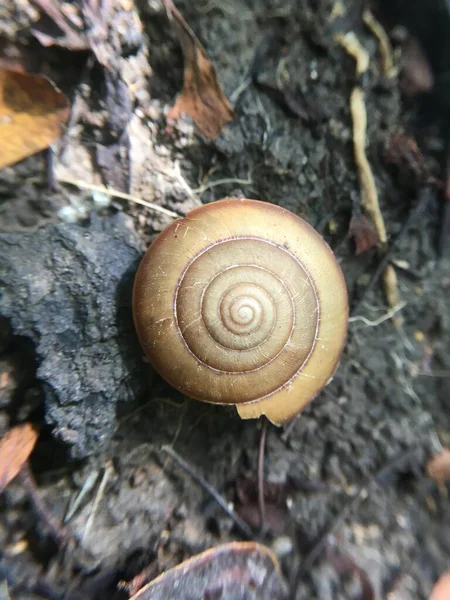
[242, 302]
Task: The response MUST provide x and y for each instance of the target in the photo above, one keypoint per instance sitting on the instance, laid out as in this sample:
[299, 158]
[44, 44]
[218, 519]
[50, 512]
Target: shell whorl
[231, 305]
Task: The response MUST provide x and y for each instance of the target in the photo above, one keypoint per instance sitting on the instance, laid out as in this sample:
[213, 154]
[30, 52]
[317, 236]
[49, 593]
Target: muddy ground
[387, 406]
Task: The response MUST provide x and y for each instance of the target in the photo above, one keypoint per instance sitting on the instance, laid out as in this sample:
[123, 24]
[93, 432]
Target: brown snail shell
[242, 302]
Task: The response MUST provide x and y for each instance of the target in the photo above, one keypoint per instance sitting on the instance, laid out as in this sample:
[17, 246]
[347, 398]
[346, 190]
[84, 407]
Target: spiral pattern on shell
[242, 302]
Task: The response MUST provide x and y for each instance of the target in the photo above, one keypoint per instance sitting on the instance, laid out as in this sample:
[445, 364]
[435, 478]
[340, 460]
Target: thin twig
[234, 96]
[212, 184]
[288, 429]
[98, 498]
[87, 487]
[245, 529]
[261, 453]
[83, 185]
[57, 531]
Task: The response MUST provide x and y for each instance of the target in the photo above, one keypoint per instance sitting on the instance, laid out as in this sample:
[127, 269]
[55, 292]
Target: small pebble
[101, 200]
[282, 546]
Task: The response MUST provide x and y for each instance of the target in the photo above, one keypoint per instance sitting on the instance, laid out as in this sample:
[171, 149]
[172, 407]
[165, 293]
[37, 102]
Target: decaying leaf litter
[383, 401]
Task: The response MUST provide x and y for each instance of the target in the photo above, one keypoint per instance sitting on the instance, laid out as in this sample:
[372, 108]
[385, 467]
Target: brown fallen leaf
[438, 467]
[403, 152]
[417, 75]
[441, 590]
[15, 448]
[238, 570]
[32, 113]
[363, 232]
[201, 97]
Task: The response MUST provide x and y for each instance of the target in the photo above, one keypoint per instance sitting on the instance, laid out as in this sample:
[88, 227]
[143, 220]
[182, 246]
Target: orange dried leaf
[201, 97]
[438, 467]
[32, 112]
[15, 448]
[441, 590]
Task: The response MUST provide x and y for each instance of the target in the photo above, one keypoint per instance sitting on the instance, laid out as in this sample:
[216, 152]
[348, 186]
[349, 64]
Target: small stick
[212, 184]
[288, 429]
[261, 502]
[117, 194]
[245, 529]
[87, 487]
[98, 498]
[57, 531]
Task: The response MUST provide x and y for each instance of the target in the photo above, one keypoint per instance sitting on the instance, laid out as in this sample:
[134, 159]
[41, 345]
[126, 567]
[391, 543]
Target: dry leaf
[201, 97]
[15, 448]
[32, 112]
[403, 151]
[438, 467]
[441, 590]
[417, 75]
[238, 570]
[362, 230]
